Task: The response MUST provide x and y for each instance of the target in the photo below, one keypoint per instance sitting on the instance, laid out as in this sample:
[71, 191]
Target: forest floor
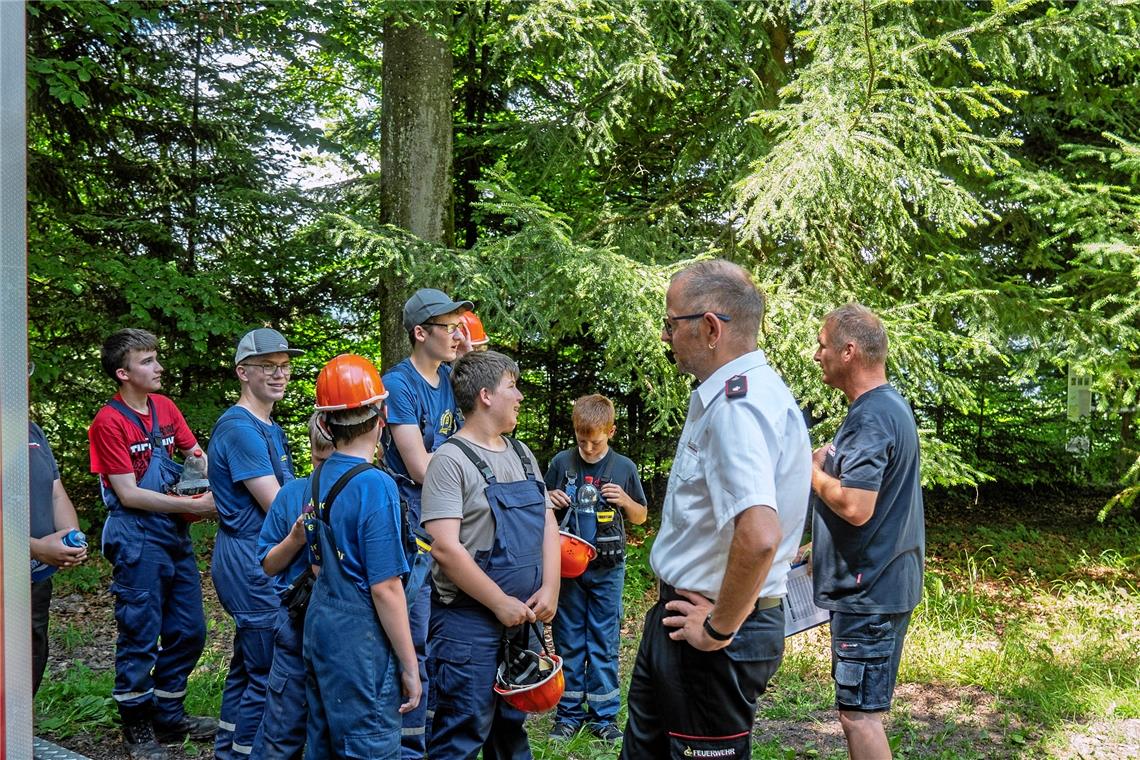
[1026, 645]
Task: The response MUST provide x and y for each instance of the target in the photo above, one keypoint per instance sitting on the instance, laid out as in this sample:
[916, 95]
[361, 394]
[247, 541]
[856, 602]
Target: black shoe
[197, 727]
[607, 732]
[562, 731]
[141, 743]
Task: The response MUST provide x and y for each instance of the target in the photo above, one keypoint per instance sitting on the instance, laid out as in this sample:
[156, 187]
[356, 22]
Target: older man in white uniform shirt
[733, 515]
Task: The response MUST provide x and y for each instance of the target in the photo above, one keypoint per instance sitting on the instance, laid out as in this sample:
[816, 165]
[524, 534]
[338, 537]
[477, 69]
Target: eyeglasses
[451, 327]
[668, 321]
[270, 370]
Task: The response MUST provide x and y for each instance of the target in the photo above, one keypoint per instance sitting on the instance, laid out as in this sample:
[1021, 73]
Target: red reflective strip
[709, 738]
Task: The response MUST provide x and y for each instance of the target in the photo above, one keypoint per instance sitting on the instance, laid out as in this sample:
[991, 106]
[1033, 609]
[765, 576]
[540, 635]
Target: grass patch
[69, 636]
[1044, 620]
[1027, 640]
[795, 697]
[93, 576]
[78, 702]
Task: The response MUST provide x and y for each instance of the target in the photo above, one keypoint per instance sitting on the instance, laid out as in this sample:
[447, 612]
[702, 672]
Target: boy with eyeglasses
[422, 414]
[249, 463]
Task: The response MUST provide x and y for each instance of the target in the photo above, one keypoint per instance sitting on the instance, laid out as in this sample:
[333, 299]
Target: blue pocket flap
[849, 673]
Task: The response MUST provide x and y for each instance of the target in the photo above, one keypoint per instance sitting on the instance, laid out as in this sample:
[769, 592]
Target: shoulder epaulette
[736, 387]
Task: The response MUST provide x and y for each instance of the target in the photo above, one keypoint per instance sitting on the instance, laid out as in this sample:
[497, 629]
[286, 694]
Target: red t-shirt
[117, 445]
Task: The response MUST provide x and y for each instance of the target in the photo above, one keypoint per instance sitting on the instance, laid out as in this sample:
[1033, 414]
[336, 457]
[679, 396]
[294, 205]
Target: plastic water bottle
[587, 505]
[75, 538]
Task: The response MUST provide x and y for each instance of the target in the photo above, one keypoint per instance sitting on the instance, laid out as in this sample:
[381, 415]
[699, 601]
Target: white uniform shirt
[734, 453]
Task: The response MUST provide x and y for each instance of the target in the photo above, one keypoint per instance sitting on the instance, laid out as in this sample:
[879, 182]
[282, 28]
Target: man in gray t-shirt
[868, 535]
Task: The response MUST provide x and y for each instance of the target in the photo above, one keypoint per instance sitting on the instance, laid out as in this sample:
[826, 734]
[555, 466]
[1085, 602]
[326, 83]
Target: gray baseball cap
[263, 340]
[426, 303]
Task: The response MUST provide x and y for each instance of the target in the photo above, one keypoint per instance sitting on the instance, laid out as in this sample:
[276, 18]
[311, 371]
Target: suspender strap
[603, 475]
[483, 468]
[527, 467]
[338, 486]
[323, 513]
[154, 435]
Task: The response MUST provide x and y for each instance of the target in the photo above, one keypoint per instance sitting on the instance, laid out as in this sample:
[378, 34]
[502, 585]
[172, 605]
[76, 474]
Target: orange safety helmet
[530, 695]
[474, 327]
[576, 554]
[348, 381]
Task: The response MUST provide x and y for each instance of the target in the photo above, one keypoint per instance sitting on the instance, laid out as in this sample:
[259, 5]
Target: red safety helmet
[348, 381]
[474, 327]
[576, 554]
[530, 681]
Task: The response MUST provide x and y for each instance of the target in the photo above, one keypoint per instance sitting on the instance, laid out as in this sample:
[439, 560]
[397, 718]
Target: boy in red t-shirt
[155, 579]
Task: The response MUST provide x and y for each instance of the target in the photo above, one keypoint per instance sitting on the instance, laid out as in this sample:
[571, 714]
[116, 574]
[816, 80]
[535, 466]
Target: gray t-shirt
[875, 567]
[453, 488]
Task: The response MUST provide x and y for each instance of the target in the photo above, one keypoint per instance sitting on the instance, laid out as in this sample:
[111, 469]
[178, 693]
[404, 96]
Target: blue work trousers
[352, 678]
[282, 732]
[464, 646]
[413, 739]
[587, 632]
[248, 595]
[158, 612]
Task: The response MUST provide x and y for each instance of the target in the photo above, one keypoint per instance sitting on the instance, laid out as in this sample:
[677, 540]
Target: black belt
[666, 593]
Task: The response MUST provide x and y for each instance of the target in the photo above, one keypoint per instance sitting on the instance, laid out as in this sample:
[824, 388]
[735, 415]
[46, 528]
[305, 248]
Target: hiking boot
[562, 731]
[607, 732]
[141, 744]
[197, 727]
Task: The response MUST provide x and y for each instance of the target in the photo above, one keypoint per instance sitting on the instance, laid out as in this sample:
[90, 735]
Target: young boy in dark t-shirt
[588, 623]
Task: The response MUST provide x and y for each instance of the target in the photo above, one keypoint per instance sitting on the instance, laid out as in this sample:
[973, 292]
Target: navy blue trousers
[161, 624]
[463, 647]
[282, 732]
[587, 633]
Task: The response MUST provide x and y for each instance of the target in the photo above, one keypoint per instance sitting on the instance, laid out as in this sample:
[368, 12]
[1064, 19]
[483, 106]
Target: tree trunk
[415, 156]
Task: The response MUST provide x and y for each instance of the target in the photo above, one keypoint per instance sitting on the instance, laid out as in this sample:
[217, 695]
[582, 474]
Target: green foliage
[92, 575]
[79, 702]
[970, 174]
[159, 198]
[892, 148]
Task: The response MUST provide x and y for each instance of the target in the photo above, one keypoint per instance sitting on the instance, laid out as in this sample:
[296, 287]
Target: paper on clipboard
[800, 612]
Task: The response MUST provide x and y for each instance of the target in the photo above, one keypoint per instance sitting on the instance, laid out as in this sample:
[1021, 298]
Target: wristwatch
[714, 634]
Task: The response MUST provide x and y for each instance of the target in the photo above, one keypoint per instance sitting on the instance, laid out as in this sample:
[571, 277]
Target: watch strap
[714, 634]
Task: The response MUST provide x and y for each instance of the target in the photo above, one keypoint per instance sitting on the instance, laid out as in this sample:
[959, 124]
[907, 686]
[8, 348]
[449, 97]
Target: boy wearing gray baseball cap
[422, 414]
[249, 462]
